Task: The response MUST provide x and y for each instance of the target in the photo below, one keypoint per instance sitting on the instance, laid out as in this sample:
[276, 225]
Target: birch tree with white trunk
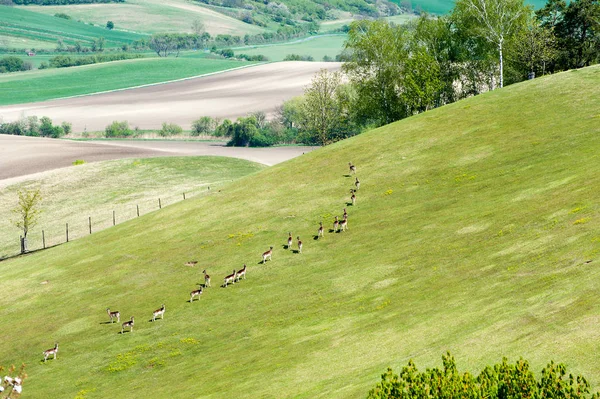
[496, 21]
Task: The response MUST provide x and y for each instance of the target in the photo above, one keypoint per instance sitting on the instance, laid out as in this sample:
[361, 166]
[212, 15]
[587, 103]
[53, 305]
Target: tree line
[500, 381]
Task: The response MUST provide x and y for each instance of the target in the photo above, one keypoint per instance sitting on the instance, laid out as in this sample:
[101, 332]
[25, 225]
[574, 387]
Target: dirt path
[21, 157]
[224, 95]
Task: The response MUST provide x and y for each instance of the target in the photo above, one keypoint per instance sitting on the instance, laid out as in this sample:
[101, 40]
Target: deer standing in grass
[267, 254]
[357, 183]
[229, 279]
[290, 241]
[336, 223]
[50, 352]
[352, 168]
[196, 293]
[113, 315]
[127, 324]
[299, 245]
[353, 197]
[344, 223]
[159, 312]
[321, 231]
[206, 279]
[241, 273]
[345, 214]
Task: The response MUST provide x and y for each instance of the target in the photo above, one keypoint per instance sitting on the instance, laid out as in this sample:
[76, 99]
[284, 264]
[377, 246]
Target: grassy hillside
[47, 84]
[444, 6]
[98, 189]
[22, 23]
[472, 233]
[316, 46]
[152, 16]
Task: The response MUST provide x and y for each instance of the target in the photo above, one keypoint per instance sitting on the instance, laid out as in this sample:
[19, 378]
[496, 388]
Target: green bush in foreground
[502, 381]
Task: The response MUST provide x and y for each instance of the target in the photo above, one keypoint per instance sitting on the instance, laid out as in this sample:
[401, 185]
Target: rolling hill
[475, 231]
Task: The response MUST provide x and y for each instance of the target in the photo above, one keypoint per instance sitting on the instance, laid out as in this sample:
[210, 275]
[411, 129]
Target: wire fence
[60, 232]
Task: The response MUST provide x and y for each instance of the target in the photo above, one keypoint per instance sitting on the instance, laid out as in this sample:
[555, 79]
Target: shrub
[297, 57]
[67, 127]
[170, 129]
[225, 129]
[118, 129]
[62, 15]
[47, 129]
[203, 126]
[13, 64]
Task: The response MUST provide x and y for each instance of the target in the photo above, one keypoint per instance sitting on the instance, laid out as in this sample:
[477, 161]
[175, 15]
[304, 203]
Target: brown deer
[290, 241]
[321, 231]
[267, 254]
[299, 245]
[241, 273]
[49, 352]
[336, 223]
[196, 293]
[357, 183]
[353, 197]
[344, 223]
[345, 214]
[127, 324]
[159, 312]
[352, 168]
[229, 279]
[206, 279]
[116, 314]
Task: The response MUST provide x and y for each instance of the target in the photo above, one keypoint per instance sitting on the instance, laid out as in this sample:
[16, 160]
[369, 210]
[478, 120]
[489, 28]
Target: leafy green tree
[534, 48]
[203, 126]
[118, 129]
[578, 34]
[110, 25]
[47, 129]
[27, 212]
[496, 21]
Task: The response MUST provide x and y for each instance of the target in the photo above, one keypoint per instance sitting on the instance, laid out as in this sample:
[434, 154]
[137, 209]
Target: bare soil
[224, 95]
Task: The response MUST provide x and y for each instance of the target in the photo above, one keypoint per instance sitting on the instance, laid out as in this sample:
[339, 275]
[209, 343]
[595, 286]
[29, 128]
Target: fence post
[67, 224]
[43, 239]
[114, 218]
[138, 210]
[90, 223]
[159, 205]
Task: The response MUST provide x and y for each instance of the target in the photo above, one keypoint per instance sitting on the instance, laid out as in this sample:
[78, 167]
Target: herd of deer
[338, 227]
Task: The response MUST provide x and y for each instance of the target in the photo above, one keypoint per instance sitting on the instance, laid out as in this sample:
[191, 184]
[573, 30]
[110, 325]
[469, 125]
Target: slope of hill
[475, 231]
[444, 6]
[22, 23]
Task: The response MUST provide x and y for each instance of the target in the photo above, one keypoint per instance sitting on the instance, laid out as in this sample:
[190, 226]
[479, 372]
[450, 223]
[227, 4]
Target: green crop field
[316, 46]
[152, 16]
[47, 84]
[98, 189]
[443, 6]
[22, 23]
[475, 231]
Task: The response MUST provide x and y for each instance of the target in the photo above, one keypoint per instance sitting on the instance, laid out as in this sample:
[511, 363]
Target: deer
[352, 168]
[196, 293]
[127, 324]
[112, 315]
[357, 183]
[241, 273]
[321, 231]
[336, 223]
[299, 245]
[344, 223]
[290, 241]
[345, 214]
[267, 254]
[49, 352]
[159, 312]
[353, 197]
[206, 279]
[229, 279]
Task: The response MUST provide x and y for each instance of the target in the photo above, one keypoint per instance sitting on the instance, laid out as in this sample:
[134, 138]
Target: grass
[96, 189]
[462, 239]
[316, 46]
[22, 23]
[150, 16]
[48, 84]
[23, 43]
[444, 6]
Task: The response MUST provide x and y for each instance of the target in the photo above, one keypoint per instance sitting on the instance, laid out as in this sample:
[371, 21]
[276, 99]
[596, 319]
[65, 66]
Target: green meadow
[22, 23]
[40, 85]
[444, 6]
[97, 189]
[315, 46]
[475, 231]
